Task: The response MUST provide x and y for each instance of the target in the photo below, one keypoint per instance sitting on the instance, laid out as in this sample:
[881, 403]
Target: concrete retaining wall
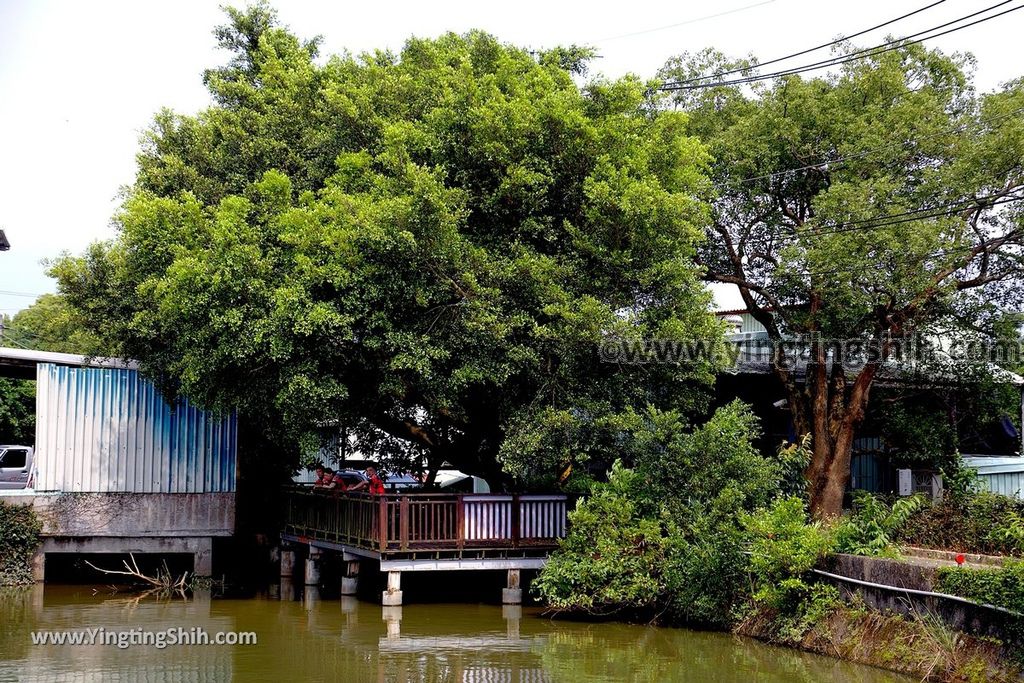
[920, 575]
[131, 514]
[141, 523]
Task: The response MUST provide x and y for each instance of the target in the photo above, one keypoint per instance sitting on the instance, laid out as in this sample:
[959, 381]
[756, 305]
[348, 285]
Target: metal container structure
[109, 430]
[999, 474]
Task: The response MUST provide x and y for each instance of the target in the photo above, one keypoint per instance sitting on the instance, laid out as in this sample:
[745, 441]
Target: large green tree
[51, 324]
[430, 244]
[871, 204]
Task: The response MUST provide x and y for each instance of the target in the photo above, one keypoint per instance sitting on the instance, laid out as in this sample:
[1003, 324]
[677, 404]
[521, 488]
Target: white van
[15, 466]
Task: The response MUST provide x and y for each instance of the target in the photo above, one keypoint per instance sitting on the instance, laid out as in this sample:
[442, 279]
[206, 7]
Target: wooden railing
[428, 521]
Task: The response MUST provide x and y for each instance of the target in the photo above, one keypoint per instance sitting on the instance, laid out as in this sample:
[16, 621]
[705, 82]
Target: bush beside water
[699, 529]
[19, 538]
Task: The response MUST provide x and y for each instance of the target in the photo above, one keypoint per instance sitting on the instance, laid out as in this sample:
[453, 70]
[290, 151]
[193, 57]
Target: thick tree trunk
[829, 410]
[833, 472]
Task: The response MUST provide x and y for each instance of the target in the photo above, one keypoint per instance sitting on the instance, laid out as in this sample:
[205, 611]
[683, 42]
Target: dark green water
[346, 640]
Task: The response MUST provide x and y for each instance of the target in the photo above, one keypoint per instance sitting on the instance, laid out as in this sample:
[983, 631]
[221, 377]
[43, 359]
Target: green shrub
[1003, 587]
[959, 482]
[664, 539]
[613, 558]
[706, 578]
[1008, 532]
[872, 527]
[19, 538]
[980, 523]
[784, 544]
[713, 470]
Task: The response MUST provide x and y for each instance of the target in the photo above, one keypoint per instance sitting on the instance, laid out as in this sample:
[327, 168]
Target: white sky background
[79, 81]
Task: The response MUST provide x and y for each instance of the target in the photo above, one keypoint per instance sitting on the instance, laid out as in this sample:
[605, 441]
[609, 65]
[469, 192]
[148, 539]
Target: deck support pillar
[393, 618]
[350, 582]
[202, 558]
[392, 597]
[513, 594]
[513, 615]
[313, 567]
[287, 562]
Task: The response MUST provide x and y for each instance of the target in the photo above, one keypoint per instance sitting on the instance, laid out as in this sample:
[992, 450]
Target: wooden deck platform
[430, 531]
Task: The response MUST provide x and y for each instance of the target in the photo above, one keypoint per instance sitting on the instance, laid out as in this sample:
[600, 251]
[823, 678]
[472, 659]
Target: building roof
[984, 464]
[21, 363]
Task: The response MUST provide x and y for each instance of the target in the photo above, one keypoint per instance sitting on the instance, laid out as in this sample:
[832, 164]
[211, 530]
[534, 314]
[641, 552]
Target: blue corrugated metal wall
[1005, 483]
[100, 429]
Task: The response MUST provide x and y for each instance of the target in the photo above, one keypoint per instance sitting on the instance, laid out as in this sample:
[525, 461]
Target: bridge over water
[422, 532]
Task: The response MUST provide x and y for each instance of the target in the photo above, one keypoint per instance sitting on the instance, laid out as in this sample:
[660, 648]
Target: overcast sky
[80, 80]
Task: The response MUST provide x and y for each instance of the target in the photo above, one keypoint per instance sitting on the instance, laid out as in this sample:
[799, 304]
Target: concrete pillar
[513, 595]
[393, 595]
[287, 589]
[39, 566]
[350, 582]
[202, 559]
[288, 563]
[392, 616]
[313, 567]
[310, 597]
[513, 615]
[349, 606]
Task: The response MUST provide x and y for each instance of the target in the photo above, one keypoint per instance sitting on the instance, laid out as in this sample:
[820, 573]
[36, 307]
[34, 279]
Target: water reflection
[308, 637]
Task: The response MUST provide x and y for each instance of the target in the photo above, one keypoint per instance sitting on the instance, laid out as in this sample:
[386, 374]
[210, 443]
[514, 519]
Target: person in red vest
[374, 485]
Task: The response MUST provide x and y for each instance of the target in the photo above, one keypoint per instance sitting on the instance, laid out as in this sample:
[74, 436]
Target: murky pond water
[309, 639]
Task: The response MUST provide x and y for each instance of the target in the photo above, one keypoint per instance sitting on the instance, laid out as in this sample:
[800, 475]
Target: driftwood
[163, 582]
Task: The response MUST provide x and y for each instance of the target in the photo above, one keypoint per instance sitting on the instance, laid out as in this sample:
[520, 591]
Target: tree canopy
[427, 246]
[871, 204]
[51, 324]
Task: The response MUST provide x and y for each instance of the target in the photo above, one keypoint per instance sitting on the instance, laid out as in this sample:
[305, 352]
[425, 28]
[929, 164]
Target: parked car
[351, 477]
[15, 466]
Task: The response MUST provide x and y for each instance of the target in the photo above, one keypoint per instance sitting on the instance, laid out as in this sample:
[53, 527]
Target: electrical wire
[688, 21]
[854, 56]
[923, 213]
[816, 48]
[864, 153]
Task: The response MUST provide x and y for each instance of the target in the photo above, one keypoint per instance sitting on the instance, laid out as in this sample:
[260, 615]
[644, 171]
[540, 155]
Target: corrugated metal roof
[986, 464]
[109, 429]
[32, 357]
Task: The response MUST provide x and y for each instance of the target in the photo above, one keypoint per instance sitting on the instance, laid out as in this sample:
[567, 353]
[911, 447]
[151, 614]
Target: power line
[5, 292]
[864, 153]
[816, 48]
[843, 59]
[913, 261]
[924, 213]
[910, 216]
[688, 21]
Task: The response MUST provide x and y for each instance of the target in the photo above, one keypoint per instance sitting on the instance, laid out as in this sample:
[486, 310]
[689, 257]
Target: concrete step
[947, 557]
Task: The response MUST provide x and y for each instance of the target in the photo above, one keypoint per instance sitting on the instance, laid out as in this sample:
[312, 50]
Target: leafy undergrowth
[923, 648]
[983, 523]
[19, 538]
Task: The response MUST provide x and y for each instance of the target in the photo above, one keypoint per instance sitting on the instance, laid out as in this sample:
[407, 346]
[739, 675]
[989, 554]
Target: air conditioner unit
[926, 482]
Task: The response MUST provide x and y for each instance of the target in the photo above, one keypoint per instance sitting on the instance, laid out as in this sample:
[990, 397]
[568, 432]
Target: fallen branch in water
[163, 581]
